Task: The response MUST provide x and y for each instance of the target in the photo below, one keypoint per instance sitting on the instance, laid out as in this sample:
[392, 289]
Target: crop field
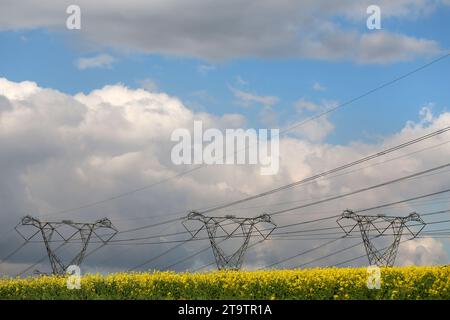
[317, 283]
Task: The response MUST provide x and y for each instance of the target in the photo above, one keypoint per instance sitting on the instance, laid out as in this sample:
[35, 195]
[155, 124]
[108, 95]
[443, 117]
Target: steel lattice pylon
[85, 231]
[374, 226]
[246, 226]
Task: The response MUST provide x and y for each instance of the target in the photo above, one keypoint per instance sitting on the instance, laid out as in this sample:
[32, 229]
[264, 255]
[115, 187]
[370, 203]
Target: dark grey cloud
[216, 30]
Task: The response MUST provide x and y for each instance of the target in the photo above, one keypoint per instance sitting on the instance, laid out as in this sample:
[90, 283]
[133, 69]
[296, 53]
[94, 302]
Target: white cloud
[318, 87]
[17, 91]
[238, 29]
[204, 69]
[318, 129]
[246, 99]
[98, 61]
[60, 151]
[384, 47]
[303, 104]
[420, 252]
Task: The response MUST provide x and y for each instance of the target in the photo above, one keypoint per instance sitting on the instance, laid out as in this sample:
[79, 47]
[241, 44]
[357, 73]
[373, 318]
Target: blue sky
[50, 58]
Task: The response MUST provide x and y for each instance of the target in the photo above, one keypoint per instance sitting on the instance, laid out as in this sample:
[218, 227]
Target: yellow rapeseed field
[317, 283]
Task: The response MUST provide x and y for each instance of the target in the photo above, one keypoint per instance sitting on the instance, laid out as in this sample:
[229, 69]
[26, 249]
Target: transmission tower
[65, 231]
[223, 228]
[375, 226]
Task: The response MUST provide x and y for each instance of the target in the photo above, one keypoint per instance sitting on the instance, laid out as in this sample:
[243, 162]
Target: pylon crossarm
[338, 221]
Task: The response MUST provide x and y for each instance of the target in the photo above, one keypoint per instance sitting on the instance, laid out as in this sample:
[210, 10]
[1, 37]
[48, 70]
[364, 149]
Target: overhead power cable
[6, 258]
[39, 261]
[332, 240]
[288, 129]
[303, 253]
[323, 174]
[362, 189]
[159, 256]
[304, 180]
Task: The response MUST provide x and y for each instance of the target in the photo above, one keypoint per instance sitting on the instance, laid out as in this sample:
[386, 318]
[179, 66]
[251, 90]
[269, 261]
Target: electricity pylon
[375, 226]
[229, 226]
[66, 231]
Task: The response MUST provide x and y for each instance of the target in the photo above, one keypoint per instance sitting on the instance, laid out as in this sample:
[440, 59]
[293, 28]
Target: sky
[87, 114]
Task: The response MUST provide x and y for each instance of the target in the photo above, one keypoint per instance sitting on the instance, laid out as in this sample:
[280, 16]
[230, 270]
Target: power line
[150, 225]
[254, 207]
[296, 223]
[323, 174]
[302, 253]
[307, 179]
[363, 255]
[357, 191]
[203, 266]
[203, 250]
[160, 232]
[386, 84]
[384, 152]
[334, 240]
[380, 153]
[187, 258]
[345, 173]
[3, 260]
[159, 256]
[39, 261]
[329, 255]
[402, 201]
[290, 128]
[362, 189]
[118, 196]
[355, 245]
[294, 126]
[112, 242]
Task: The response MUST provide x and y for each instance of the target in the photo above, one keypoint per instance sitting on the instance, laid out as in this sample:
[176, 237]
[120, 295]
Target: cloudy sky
[87, 115]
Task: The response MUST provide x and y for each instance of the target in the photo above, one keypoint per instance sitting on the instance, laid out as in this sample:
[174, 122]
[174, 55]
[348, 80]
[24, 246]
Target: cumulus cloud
[98, 61]
[318, 129]
[247, 99]
[13, 91]
[235, 29]
[420, 252]
[60, 151]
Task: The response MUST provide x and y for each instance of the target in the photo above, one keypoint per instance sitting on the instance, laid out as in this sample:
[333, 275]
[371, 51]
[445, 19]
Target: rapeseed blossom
[317, 283]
